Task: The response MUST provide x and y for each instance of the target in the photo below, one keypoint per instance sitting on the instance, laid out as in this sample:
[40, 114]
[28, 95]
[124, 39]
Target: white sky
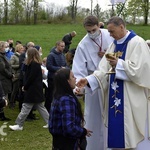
[83, 3]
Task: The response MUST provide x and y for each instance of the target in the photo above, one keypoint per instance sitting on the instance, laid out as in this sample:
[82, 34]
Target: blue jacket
[65, 119]
[65, 122]
[9, 54]
[55, 61]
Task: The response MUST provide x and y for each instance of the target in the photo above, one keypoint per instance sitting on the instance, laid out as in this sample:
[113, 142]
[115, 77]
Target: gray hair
[30, 44]
[117, 21]
[2, 44]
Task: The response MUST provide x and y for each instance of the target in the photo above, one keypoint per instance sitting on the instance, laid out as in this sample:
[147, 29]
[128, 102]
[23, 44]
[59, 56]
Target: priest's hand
[82, 82]
[113, 61]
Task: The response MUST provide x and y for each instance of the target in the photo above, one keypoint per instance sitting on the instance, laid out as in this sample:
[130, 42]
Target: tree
[121, 10]
[35, 7]
[16, 11]
[1, 11]
[98, 12]
[146, 7]
[5, 11]
[91, 7]
[28, 9]
[73, 7]
[138, 8]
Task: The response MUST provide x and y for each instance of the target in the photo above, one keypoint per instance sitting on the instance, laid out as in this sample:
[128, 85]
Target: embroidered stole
[116, 137]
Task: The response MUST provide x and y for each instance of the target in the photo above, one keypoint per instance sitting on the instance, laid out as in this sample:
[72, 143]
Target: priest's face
[117, 32]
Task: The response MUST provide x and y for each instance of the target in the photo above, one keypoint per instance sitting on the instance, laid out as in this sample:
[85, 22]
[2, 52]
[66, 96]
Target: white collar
[120, 41]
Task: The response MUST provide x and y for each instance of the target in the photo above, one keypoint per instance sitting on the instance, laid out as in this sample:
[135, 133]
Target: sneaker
[46, 126]
[16, 127]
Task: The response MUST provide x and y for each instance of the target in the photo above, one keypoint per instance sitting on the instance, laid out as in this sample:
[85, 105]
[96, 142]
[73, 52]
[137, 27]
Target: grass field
[47, 35]
[44, 35]
[34, 137]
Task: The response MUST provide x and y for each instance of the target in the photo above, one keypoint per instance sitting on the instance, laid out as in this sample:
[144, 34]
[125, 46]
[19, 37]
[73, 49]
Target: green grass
[44, 35]
[47, 35]
[34, 137]
[143, 31]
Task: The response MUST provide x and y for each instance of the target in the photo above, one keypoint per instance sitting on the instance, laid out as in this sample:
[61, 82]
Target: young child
[66, 118]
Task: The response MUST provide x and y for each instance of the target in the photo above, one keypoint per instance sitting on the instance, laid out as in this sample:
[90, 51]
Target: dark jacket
[33, 85]
[65, 123]
[22, 67]
[2, 99]
[55, 61]
[67, 39]
[5, 74]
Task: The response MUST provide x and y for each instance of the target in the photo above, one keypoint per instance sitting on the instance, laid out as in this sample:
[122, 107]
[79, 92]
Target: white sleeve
[92, 82]
[120, 71]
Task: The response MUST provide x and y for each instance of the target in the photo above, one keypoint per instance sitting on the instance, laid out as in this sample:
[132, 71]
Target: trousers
[26, 108]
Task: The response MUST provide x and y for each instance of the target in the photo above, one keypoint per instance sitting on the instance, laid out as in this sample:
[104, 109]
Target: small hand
[89, 133]
[101, 54]
[79, 91]
[23, 88]
[82, 82]
[43, 71]
[6, 102]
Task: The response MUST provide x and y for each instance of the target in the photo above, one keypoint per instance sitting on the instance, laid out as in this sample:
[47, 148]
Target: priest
[125, 92]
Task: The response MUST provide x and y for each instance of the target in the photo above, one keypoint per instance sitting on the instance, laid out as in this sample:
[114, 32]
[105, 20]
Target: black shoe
[33, 116]
[29, 119]
[12, 106]
[5, 119]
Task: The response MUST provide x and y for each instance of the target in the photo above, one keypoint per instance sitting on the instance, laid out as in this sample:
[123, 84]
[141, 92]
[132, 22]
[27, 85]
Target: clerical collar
[120, 41]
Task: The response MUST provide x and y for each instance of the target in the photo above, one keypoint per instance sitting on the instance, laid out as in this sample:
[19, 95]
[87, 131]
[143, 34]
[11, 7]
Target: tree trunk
[73, 7]
[5, 11]
[146, 11]
[35, 11]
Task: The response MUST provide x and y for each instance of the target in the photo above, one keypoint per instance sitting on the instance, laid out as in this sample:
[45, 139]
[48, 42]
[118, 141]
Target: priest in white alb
[125, 91]
[88, 54]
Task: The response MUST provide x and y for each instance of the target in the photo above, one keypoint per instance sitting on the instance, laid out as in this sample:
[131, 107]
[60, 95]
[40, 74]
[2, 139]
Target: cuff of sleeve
[84, 132]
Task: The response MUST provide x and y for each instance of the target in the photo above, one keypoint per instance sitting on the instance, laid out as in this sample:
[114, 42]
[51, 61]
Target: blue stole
[116, 137]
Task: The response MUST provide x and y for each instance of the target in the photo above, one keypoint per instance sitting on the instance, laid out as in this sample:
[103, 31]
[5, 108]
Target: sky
[83, 3]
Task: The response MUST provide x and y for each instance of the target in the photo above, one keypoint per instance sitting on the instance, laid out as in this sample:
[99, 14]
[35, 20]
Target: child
[66, 118]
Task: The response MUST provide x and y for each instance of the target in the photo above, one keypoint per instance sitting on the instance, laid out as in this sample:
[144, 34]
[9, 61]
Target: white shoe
[16, 127]
[46, 126]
